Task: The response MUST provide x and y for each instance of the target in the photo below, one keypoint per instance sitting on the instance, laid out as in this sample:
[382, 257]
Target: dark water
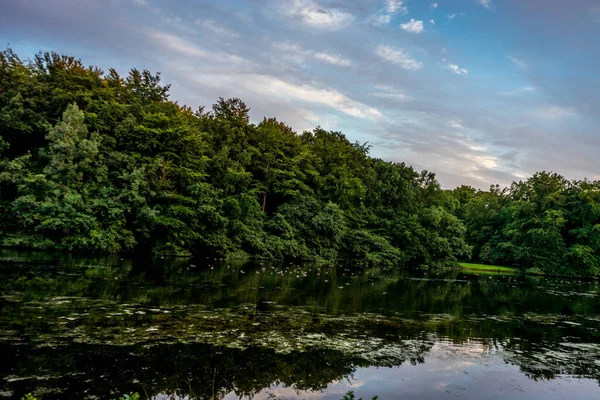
[93, 328]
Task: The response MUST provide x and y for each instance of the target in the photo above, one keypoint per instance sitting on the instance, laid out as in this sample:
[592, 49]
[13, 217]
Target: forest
[94, 161]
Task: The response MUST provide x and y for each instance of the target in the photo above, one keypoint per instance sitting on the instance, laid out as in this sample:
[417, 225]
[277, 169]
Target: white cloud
[177, 44]
[334, 59]
[456, 124]
[451, 16]
[313, 14]
[295, 53]
[398, 56]
[383, 19]
[216, 28]
[555, 112]
[288, 47]
[474, 159]
[489, 162]
[391, 8]
[291, 52]
[475, 147]
[413, 26]
[140, 2]
[518, 62]
[189, 49]
[391, 93]
[521, 90]
[270, 86]
[477, 159]
[432, 22]
[434, 5]
[485, 3]
[456, 69]
[329, 97]
[395, 7]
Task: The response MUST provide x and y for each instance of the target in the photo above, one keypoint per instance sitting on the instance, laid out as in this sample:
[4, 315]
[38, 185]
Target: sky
[478, 91]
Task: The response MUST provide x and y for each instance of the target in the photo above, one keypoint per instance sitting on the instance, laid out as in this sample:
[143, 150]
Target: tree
[94, 161]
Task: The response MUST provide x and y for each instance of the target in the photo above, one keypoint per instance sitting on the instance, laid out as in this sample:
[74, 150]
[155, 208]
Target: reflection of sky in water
[450, 372]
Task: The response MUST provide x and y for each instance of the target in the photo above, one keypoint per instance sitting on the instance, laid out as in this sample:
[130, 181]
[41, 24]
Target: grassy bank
[490, 268]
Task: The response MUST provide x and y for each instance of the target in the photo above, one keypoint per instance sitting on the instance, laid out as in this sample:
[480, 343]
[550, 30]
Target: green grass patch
[490, 268]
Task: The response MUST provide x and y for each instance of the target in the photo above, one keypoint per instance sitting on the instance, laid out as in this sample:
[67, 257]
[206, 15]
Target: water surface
[77, 327]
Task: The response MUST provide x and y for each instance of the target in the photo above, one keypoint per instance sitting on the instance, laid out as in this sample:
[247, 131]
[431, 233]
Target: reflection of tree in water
[160, 366]
[548, 360]
[171, 326]
[185, 370]
[543, 347]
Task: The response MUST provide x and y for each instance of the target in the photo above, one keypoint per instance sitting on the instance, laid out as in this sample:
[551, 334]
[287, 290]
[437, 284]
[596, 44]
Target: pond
[76, 327]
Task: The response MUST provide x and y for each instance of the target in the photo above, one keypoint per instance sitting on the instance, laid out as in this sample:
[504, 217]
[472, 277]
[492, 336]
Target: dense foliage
[545, 224]
[98, 162]
[95, 161]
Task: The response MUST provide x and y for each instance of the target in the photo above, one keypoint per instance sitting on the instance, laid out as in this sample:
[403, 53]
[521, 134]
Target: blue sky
[477, 91]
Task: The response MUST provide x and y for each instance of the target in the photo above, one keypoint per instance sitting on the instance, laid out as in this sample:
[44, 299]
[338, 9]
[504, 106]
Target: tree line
[94, 161]
[545, 224]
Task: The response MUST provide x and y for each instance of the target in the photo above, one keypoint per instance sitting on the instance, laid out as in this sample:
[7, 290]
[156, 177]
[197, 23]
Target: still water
[74, 327]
